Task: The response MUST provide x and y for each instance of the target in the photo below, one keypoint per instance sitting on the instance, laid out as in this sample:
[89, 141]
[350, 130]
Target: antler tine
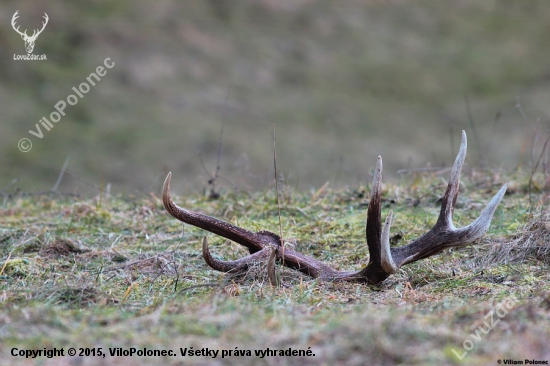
[444, 234]
[378, 240]
[481, 224]
[13, 21]
[37, 32]
[386, 259]
[46, 18]
[374, 217]
[14, 18]
[236, 265]
[477, 228]
[451, 194]
[254, 242]
[381, 263]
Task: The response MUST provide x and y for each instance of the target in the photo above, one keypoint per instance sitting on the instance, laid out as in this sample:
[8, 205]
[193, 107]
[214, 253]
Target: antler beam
[384, 260]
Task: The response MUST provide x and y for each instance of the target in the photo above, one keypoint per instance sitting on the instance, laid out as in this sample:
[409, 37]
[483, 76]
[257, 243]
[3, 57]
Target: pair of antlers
[384, 260]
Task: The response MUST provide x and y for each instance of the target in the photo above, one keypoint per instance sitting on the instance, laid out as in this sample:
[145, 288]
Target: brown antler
[383, 260]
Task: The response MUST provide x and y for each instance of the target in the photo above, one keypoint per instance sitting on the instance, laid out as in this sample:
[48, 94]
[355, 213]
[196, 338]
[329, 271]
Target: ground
[118, 271]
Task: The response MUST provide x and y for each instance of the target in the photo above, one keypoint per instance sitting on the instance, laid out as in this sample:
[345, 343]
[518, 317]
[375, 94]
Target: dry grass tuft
[62, 247]
[73, 297]
[531, 242]
[162, 264]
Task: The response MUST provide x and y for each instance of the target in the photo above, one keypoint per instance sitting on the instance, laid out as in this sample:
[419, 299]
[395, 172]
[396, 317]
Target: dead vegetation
[123, 273]
[532, 242]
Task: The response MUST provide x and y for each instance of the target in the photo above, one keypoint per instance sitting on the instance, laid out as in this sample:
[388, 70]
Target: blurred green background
[342, 81]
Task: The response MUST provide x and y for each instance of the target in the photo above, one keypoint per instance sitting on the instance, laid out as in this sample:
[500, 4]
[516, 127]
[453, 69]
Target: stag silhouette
[29, 40]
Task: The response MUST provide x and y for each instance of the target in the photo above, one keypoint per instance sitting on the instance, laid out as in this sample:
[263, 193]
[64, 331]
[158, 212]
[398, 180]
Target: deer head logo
[29, 40]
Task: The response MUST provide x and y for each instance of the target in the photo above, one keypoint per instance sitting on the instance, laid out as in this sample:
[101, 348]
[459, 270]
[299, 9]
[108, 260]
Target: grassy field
[118, 271]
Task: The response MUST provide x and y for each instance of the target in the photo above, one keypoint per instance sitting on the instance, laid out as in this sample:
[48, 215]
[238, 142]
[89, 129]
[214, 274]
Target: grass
[120, 272]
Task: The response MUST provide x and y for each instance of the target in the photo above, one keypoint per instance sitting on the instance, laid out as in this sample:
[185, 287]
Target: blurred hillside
[342, 82]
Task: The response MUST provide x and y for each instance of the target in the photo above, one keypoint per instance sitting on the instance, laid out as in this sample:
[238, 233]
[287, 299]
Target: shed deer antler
[383, 262]
[29, 40]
